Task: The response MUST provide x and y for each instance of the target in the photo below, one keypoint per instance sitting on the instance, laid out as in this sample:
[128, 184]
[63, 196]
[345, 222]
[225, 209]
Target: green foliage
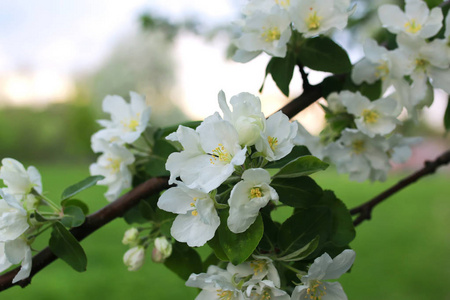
[65, 246]
[302, 166]
[297, 192]
[184, 261]
[323, 54]
[75, 202]
[281, 70]
[73, 216]
[80, 186]
[447, 117]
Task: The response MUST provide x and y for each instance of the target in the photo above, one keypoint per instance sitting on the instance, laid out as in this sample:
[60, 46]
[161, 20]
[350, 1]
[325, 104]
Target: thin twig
[92, 223]
[365, 209]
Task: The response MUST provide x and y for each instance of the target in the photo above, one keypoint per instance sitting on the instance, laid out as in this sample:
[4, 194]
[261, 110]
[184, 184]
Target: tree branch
[92, 223]
[310, 95]
[365, 210]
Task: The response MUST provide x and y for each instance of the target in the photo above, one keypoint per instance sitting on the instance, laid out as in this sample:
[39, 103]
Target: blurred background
[59, 59]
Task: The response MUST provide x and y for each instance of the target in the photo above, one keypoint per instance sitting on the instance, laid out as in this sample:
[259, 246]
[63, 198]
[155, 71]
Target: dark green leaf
[76, 202]
[212, 259]
[65, 246]
[297, 192]
[214, 243]
[281, 70]
[184, 261]
[302, 166]
[297, 151]
[73, 216]
[146, 210]
[238, 247]
[331, 84]
[157, 164]
[80, 186]
[38, 216]
[447, 116]
[371, 91]
[303, 227]
[322, 54]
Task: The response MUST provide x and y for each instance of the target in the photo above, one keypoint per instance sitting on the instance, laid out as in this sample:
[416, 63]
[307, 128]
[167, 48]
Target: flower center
[258, 266]
[265, 295]
[370, 116]
[273, 142]
[194, 212]
[114, 165]
[271, 34]
[283, 3]
[358, 146]
[256, 192]
[221, 154]
[316, 290]
[313, 20]
[421, 64]
[412, 27]
[382, 70]
[224, 295]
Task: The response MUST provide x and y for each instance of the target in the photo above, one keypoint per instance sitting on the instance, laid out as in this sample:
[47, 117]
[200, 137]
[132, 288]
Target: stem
[365, 209]
[47, 201]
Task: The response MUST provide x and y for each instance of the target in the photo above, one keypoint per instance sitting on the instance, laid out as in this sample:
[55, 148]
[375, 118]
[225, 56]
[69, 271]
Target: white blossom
[113, 165]
[277, 140]
[314, 17]
[324, 268]
[246, 117]
[13, 218]
[162, 249]
[266, 289]
[248, 197]
[371, 117]
[131, 236]
[197, 219]
[417, 20]
[210, 154]
[312, 142]
[259, 268]
[128, 120]
[400, 147]
[267, 31]
[14, 252]
[134, 258]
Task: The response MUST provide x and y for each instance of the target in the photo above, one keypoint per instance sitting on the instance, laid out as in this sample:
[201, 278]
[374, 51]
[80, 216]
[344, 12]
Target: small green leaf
[238, 247]
[65, 246]
[296, 152]
[214, 243]
[80, 186]
[302, 166]
[76, 202]
[73, 216]
[447, 116]
[323, 54]
[297, 192]
[184, 261]
[146, 210]
[156, 166]
[281, 70]
[303, 252]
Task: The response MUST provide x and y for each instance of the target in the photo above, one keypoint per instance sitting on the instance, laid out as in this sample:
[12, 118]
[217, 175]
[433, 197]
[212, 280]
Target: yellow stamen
[220, 153]
[382, 70]
[271, 34]
[421, 63]
[283, 3]
[258, 266]
[224, 295]
[264, 296]
[273, 142]
[114, 165]
[412, 27]
[313, 20]
[256, 192]
[194, 213]
[358, 146]
[316, 290]
[370, 116]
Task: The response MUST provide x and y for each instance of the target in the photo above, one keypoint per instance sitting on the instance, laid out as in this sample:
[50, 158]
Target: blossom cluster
[115, 141]
[234, 147]
[259, 279]
[267, 24]
[17, 201]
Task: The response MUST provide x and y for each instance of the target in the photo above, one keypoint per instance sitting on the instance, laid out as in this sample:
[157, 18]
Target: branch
[365, 210]
[92, 223]
[445, 3]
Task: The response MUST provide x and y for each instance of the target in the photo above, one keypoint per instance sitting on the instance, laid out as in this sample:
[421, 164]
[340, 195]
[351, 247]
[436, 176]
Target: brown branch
[92, 223]
[365, 209]
[310, 94]
[445, 3]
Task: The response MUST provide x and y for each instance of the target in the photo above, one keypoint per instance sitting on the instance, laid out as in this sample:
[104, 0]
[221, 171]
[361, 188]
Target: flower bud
[130, 237]
[162, 250]
[134, 258]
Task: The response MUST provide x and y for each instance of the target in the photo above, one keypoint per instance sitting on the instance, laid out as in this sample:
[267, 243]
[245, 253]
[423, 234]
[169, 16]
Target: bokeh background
[59, 59]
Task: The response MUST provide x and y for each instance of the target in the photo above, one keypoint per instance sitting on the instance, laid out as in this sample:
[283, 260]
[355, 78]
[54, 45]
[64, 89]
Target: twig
[92, 223]
[308, 97]
[365, 209]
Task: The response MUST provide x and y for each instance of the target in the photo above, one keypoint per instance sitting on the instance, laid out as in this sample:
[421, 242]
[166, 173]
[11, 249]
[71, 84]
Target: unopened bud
[130, 237]
[162, 250]
[134, 258]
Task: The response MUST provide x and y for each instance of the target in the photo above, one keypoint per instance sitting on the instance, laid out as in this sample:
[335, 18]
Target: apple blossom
[324, 268]
[162, 249]
[14, 252]
[266, 289]
[134, 258]
[13, 218]
[248, 197]
[131, 236]
[259, 268]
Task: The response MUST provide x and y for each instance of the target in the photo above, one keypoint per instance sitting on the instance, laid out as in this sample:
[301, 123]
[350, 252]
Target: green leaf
[65, 246]
[371, 91]
[297, 151]
[281, 70]
[238, 247]
[331, 84]
[184, 261]
[447, 116]
[38, 216]
[76, 202]
[302, 166]
[146, 210]
[80, 186]
[303, 252]
[303, 227]
[297, 192]
[214, 243]
[323, 54]
[73, 216]
[157, 164]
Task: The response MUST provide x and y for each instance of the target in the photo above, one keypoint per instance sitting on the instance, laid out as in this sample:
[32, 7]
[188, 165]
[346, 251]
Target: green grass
[401, 253]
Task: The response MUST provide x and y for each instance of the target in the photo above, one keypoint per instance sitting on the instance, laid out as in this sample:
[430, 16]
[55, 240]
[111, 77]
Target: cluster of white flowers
[267, 24]
[128, 122]
[218, 148]
[259, 279]
[416, 57]
[17, 201]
